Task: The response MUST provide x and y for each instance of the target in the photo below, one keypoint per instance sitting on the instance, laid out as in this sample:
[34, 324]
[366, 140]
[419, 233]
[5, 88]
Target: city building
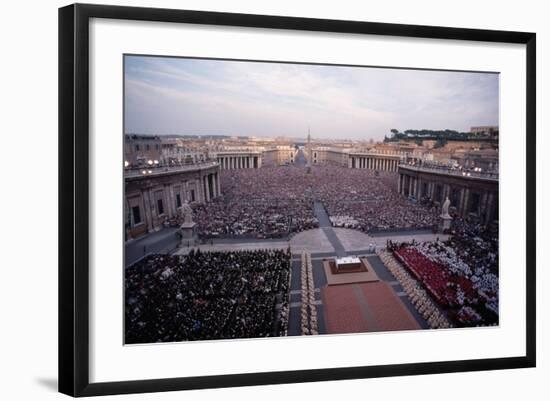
[375, 159]
[155, 195]
[334, 156]
[139, 150]
[490, 131]
[278, 155]
[469, 191]
[238, 158]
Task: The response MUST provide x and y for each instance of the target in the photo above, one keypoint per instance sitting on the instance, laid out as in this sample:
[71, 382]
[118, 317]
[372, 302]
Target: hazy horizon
[177, 96]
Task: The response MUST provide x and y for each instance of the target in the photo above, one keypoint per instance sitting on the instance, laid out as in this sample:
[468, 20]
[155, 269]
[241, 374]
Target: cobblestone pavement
[313, 241]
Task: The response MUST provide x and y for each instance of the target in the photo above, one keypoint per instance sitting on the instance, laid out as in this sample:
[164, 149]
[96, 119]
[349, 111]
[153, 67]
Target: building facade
[490, 131]
[155, 196]
[140, 149]
[375, 160]
[333, 156]
[238, 159]
[468, 192]
[278, 155]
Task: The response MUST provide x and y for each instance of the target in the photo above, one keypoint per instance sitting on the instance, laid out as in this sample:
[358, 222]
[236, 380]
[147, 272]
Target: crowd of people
[368, 200]
[270, 202]
[207, 295]
[274, 202]
[461, 273]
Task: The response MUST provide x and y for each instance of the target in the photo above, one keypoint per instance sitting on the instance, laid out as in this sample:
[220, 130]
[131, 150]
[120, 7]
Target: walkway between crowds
[324, 223]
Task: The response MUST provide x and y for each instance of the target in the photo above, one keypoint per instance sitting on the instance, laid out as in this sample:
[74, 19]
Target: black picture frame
[74, 198]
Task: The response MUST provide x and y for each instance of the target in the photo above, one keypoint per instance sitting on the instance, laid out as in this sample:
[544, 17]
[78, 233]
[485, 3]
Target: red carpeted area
[365, 307]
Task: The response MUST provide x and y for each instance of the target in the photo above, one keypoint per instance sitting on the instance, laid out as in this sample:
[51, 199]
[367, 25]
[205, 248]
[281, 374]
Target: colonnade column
[206, 189]
[399, 184]
[147, 210]
[214, 186]
[490, 208]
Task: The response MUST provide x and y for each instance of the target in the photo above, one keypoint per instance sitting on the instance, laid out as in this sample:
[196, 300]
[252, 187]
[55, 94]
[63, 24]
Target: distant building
[140, 149]
[238, 158]
[183, 152]
[378, 158]
[326, 155]
[278, 155]
[372, 158]
[490, 131]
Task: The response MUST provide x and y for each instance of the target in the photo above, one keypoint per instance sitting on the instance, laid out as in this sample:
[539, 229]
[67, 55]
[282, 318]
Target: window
[136, 214]
[178, 200]
[147, 147]
[192, 195]
[157, 146]
[137, 147]
[160, 207]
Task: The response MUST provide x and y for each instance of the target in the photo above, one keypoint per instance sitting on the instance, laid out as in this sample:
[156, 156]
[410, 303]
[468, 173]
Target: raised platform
[347, 264]
[363, 274]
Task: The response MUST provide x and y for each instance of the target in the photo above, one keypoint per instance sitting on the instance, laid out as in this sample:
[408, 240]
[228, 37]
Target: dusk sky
[188, 96]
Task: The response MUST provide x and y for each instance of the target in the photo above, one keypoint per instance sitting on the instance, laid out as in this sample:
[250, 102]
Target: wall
[29, 282]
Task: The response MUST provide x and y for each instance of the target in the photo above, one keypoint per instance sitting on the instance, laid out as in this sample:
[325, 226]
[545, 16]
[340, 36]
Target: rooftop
[166, 170]
[447, 170]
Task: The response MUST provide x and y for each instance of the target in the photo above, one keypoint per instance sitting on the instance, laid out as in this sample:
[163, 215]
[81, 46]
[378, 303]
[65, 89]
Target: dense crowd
[270, 202]
[207, 295]
[368, 200]
[461, 273]
[274, 202]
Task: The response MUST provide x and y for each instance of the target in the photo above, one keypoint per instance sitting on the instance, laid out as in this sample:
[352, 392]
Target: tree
[440, 143]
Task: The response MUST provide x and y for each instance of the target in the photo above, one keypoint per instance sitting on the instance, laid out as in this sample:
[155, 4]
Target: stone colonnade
[152, 199]
[373, 163]
[467, 195]
[235, 162]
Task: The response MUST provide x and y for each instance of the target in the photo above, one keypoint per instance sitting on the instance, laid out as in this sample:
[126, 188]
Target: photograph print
[272, 199]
